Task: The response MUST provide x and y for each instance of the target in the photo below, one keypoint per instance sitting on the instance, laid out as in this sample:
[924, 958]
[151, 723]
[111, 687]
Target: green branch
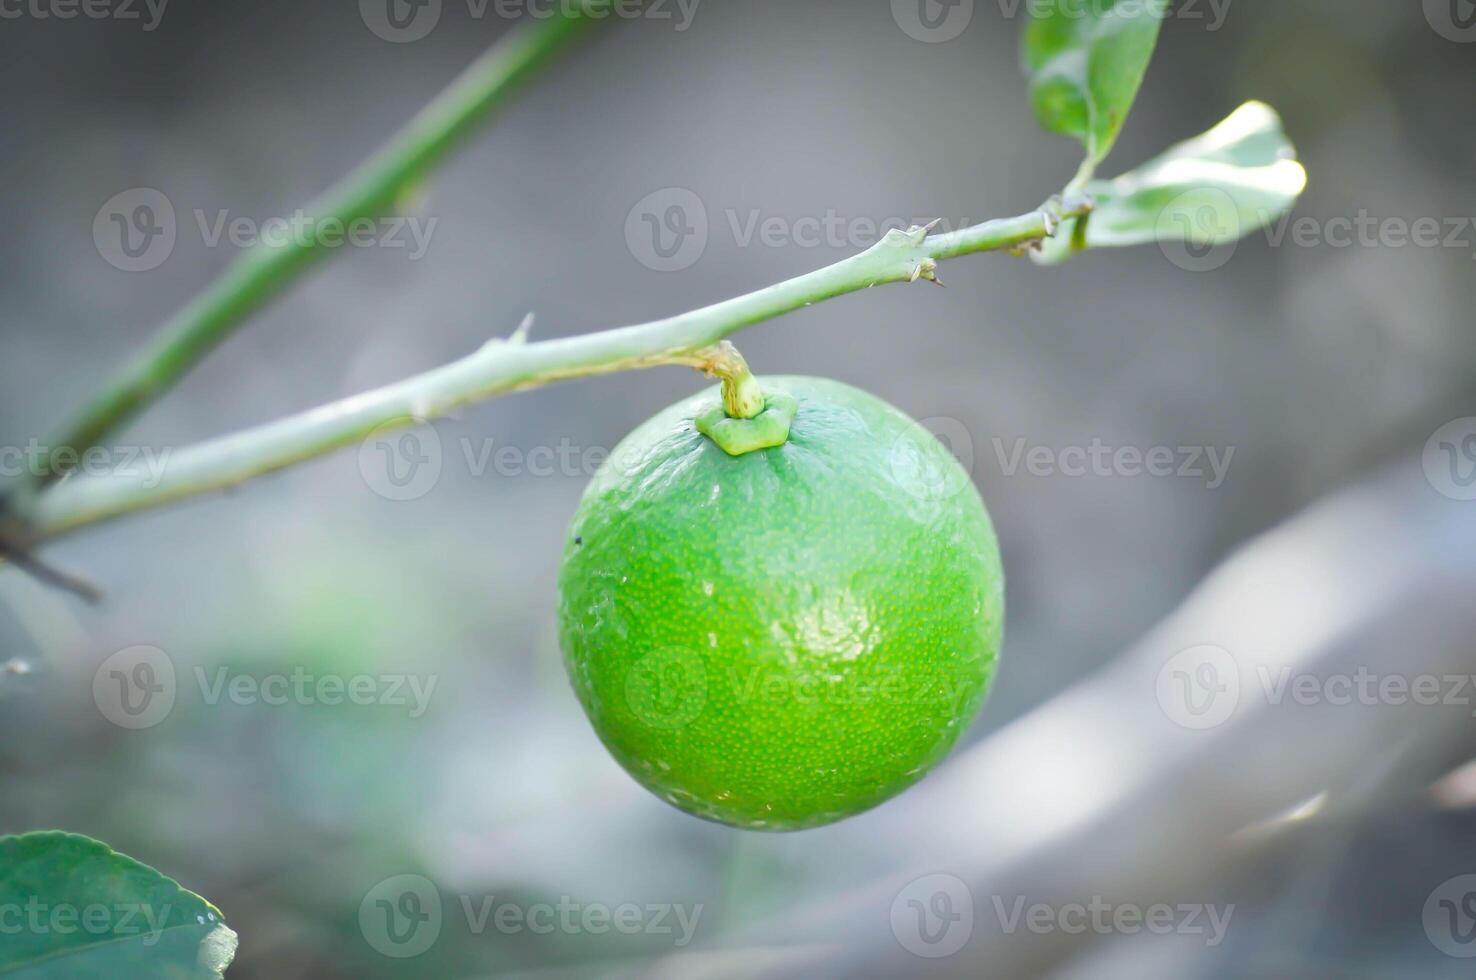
[370, 191]
[512, 365]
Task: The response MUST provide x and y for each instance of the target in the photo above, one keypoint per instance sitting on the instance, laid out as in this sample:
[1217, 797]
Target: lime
[788, 636]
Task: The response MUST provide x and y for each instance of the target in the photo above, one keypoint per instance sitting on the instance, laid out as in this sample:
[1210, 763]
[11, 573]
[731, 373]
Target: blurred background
[1315, 394]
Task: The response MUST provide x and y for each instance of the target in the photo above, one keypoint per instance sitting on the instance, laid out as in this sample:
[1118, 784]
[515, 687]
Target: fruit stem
[742, 396]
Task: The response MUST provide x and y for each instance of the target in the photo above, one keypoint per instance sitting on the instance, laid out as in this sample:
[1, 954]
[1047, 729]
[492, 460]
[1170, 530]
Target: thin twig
[15, 549]
[370, 191]
[499, 367]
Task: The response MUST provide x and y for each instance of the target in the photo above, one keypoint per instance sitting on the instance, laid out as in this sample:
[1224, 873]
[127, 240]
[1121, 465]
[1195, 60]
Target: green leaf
[1234, 180]
[1086, 59]
[71, 907]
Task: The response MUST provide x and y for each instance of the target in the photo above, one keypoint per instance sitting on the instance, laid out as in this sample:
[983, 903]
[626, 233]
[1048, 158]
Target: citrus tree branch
[370, 191]
[514, 364]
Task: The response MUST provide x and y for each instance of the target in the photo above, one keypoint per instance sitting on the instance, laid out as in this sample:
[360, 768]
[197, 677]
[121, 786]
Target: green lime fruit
[792, 634]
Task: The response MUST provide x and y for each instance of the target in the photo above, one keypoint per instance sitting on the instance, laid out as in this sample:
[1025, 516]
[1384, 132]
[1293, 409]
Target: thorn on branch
[518, 337]
[1052, 223]
[919, 233]
[912, 237]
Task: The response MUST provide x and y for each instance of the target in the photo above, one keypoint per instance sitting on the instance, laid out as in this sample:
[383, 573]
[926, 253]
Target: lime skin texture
[784, 638]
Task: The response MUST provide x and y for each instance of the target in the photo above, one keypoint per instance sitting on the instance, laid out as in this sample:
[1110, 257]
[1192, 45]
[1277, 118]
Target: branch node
[926, 269]
[15, 548]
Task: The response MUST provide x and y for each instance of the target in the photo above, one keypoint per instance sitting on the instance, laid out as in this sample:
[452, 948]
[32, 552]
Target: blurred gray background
[1316, 365]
